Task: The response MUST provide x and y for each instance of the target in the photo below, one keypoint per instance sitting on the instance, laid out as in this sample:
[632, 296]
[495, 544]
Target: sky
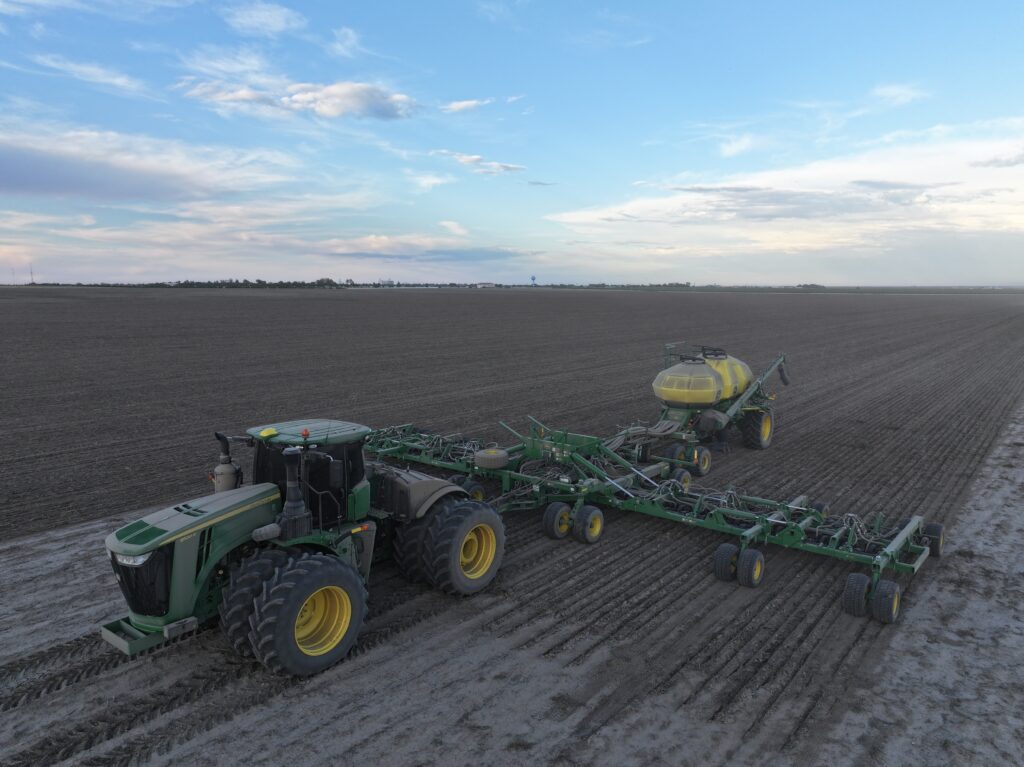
[706, 142]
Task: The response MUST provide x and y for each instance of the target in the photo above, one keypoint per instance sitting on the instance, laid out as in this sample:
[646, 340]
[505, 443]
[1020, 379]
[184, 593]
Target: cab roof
[321, 432]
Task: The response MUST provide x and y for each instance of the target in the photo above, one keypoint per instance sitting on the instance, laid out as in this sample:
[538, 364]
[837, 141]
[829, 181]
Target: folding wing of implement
[570, 473]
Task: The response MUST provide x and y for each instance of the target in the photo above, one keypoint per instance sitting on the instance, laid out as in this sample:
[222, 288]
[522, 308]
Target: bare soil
[624, 652]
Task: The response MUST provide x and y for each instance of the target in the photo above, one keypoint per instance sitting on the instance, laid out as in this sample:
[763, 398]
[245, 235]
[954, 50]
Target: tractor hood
[184, 519]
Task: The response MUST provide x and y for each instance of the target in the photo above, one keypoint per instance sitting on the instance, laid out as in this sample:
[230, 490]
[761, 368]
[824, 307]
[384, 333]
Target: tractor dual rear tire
[245, 582]
[464, 547]
[308, 615]
[758, 428]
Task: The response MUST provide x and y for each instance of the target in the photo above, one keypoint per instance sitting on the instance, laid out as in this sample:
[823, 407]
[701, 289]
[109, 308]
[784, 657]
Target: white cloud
[899, 94]
[427, 181]
[478, 164]
[92, 73]
[261, 19]
[736, 146]
[346, 43]
[240, 80]
[465, 106]
[514, 99]
[46, 158]
[233, 64]
[454, 227]
[344, 99]
[840, 205]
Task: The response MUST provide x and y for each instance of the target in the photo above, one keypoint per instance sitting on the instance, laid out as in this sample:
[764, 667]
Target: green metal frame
[580, 469]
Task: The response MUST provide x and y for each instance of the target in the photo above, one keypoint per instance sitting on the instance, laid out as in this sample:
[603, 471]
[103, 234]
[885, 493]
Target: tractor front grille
[147, 588]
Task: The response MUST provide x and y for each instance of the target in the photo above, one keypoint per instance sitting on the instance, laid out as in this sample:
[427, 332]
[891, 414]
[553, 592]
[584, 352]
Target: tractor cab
[331, 471]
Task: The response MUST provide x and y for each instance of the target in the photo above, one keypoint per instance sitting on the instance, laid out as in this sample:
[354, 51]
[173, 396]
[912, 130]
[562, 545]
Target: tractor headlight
[133, 560]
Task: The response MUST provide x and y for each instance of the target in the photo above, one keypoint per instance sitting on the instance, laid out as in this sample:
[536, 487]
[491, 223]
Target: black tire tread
[273, 598]
[746, 565]
[855, 594]
[750, 428]
[440, 538]
[721, 562]
[550, 520]
[244, 582]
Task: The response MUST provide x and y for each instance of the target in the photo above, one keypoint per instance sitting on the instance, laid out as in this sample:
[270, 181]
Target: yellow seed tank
[703, 379]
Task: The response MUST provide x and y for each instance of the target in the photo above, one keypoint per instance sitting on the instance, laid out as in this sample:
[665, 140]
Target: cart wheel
[855, 594]
[701, 457]
[936, 538]
[682, 476]
[676, 452]
[588, 524]
[723, 564]
[750, 568]
[758, 427]
[475, 489]
[885, 604]
[557, 520]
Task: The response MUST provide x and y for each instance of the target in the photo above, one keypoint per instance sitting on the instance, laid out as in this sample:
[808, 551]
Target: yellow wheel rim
[705, 461]
[895, 605]
[595, 526]
[477, 494]
[766, 426]
[758, 567]
[323, 620]
[478, 550]
[563, 522]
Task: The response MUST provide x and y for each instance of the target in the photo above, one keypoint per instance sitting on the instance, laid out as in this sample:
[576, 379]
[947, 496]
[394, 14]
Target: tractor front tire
[464, 548]
[758, 428]
[308, 615]
[245, 582]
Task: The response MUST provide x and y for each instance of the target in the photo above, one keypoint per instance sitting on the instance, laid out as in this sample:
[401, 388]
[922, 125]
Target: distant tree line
[326, 283]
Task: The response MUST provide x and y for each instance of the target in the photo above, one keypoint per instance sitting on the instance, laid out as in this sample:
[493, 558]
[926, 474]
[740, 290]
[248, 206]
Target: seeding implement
[283, 563]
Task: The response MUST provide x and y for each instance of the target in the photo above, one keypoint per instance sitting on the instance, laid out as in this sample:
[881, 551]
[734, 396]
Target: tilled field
[627, 650]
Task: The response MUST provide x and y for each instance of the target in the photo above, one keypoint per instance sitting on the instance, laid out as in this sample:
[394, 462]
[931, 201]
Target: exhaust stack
[295, 519]
[226, 474]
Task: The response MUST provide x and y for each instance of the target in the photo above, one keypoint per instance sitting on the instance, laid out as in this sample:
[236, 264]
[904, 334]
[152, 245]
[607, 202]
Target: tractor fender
[437, 495]
[407, 494]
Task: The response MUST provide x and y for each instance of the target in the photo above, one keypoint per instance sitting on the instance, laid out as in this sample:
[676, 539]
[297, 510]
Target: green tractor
[284, 562]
